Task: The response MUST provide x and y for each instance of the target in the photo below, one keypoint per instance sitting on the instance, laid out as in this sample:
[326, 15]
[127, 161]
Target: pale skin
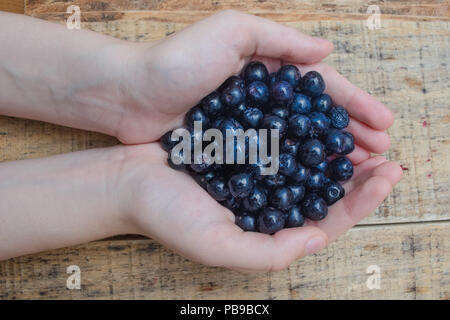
[136, 92]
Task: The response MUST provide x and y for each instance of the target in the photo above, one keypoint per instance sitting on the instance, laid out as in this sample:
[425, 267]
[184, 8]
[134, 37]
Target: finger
[362, 201]
[362, 172]
[360, 105]
[372, 140]
[252, 35]
[252, 251]
[358, 155]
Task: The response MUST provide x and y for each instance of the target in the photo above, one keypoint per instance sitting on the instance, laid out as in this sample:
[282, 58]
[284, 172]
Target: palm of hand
[182, 215]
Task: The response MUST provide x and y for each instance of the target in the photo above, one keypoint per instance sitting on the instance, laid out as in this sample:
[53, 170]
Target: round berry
[322, 103]
[333, 192]
[339, 117]
[312, 153]
[281, 92]
[291, 74]
[340, 169]
[299, 125]
[241, 185]
[212, 105]
[246, 222]
[257, 93]
[218, 189]
[255, 71]
[312, 84]
[270, 220]
[314, 207]
[294, 218]
[300, 104]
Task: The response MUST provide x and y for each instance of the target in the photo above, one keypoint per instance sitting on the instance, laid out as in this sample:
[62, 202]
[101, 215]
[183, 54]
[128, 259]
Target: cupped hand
[163, 80]
[170, 207]
[173, 75]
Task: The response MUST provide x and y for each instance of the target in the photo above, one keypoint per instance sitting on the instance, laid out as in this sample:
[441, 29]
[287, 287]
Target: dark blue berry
[300, 175]
[274, 122]
[340, 169]
[322, 103]
[275, 180]
[294, 218]
[218, 189]
[348, 143]
[270, 220]
[287, 164]
[216, 123]
[233, 204]
[320, 124]
[255, 71]
[316, 180]
[256, 200]
[334, 141]
[314, 207]
[289, 146]
[333, 192]
[200, 179]
[280, 111]
[322, 166]
[281, 92]
[237, 111]
[246, 222]
[234, 81]
[176, 161]
[312, 84]
[201, 163]
[212, 105]
[312, 153]
[252, 118]
[299, 125]
[339, 117]
[210, 175]
[231, 125]
[232, 95]
[291, 74]
[241, 185]
[298, 192]
[196, 114]
[301, 104]
[166, 141]
[257, 93]
[281, 198]
[273, 77]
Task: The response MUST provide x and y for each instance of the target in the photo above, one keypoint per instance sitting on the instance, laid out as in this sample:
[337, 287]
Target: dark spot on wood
[424, 90]
[404, 168]
[169, 33]
[413, 83]
[424, 123]
[147, 248]
[116, 247]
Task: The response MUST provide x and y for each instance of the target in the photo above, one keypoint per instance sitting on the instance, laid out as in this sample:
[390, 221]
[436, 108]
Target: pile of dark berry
[312, 145]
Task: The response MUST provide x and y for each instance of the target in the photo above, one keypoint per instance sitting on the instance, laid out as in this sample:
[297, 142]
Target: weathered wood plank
[405, 64]
[16, 6]
[414, 262]
[415, 8]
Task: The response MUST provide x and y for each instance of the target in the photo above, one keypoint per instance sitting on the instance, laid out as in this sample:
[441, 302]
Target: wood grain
[414, 8]
[413, 262]
[405, 64]
[16, 6]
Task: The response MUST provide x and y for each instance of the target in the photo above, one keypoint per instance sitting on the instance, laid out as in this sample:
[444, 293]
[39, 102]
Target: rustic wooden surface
[405, 64]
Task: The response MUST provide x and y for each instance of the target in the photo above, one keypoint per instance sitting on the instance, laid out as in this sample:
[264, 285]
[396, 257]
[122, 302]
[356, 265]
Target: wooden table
[405, 64]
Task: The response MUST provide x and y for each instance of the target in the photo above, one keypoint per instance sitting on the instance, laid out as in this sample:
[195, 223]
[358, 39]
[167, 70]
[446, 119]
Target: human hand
[170, 207]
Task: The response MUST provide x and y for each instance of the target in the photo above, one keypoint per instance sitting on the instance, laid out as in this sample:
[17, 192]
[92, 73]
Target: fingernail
[313, 245]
